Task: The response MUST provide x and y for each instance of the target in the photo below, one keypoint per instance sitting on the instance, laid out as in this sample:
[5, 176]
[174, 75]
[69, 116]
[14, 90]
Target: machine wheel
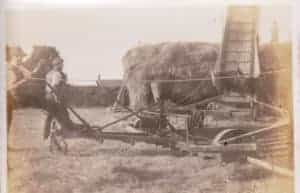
[228, 157]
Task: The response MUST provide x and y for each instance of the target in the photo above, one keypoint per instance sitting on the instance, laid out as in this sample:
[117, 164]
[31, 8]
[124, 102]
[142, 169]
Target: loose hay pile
[169, 61]
[190, 60]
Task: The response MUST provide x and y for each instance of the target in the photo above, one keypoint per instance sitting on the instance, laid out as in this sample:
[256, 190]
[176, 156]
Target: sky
[93, 40]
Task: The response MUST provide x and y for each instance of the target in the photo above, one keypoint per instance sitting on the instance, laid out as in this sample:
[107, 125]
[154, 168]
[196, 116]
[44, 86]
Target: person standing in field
[15, 73]
[55, 101]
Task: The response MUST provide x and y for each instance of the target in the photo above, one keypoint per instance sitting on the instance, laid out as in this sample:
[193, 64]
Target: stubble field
[115, 167]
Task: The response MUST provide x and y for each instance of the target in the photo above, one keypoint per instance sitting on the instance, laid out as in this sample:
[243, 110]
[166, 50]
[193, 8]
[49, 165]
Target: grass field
[118, 167]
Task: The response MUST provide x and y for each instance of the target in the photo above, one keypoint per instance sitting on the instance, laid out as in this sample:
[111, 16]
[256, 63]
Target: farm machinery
[231, 123]
[234, 133]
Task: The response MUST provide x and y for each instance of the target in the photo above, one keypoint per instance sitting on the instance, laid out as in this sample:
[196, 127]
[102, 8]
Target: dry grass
[118, 167]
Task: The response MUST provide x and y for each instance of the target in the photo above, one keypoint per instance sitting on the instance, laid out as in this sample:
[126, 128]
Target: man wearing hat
[55, 89]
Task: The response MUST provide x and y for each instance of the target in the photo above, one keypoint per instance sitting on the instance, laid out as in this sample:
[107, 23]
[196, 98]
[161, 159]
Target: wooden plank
[248, 147]
[272, 107]
[135, 138]
[271, 167]
[274, 143]
[276, 147]
[272, 155]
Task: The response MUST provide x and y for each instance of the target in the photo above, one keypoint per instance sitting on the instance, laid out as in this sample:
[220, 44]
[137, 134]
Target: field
[118, 167]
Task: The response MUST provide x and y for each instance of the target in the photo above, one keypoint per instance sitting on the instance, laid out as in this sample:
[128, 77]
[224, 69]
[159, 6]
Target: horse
[21, 75]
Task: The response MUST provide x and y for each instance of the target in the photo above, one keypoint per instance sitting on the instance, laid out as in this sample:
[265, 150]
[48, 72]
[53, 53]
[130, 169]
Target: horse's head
[41, 60]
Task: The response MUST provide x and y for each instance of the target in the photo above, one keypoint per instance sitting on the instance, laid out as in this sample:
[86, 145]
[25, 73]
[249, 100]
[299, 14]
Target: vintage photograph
[161, 99]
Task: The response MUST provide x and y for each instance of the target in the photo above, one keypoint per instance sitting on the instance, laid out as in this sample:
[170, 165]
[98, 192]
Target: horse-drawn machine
[217, 128]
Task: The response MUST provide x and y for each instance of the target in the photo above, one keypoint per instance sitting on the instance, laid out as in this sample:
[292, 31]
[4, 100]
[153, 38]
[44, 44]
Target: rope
[193, 79]
[216, 77]
[166, 80]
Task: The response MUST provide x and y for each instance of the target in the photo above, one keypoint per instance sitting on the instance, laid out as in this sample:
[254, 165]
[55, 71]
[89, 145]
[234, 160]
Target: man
[17, 74]
[55, 102]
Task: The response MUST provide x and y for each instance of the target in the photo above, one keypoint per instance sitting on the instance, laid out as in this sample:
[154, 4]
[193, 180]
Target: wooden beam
[272, 107]
[248, 147]
[271, 167]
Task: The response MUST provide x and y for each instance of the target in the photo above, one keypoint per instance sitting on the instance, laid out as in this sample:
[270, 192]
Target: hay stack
[186, 60]
[169, 61]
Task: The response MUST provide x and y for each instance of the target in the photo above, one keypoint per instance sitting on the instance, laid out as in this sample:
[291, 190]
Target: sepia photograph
[150, 99]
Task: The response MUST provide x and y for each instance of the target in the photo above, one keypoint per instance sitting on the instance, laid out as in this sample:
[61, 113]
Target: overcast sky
[93, 40]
